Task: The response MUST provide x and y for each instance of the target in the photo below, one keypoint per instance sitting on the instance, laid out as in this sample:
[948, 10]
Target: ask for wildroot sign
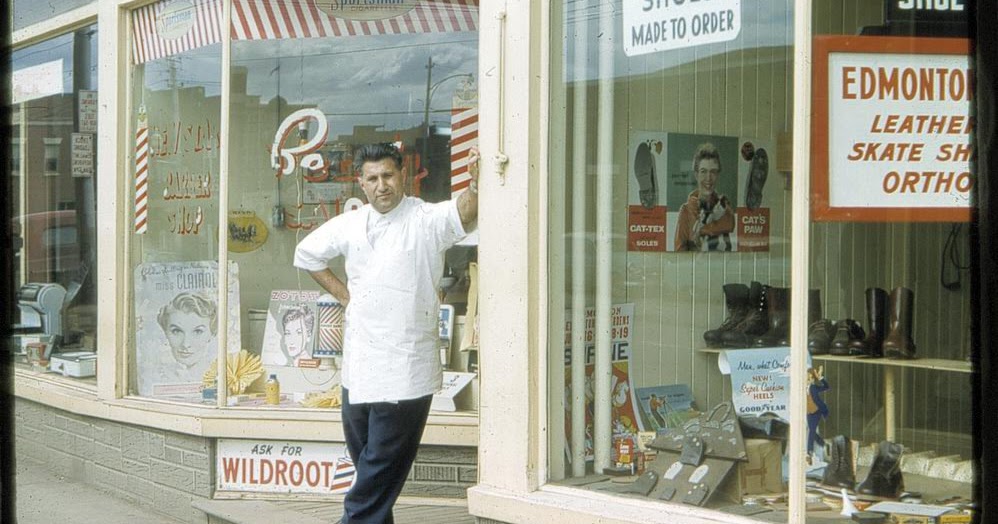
[891, 132]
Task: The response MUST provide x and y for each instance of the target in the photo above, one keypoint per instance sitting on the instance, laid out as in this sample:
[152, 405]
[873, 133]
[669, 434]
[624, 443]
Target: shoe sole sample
[644, 172]
[757, 178]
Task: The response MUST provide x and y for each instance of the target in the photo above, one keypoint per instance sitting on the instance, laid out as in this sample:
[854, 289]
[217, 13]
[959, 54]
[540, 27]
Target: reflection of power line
[356, 51]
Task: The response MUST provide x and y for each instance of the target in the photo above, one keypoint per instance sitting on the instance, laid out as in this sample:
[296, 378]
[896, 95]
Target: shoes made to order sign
[891, 129]
[661, 25]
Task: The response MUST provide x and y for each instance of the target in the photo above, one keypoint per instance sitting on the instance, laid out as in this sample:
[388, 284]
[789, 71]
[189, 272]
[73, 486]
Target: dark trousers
[382, 439]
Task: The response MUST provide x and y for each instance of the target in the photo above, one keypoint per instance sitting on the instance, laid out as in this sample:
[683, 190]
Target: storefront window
[673, 188]
[889, 307]
[175, 118]
[310, 83]
[53, 146]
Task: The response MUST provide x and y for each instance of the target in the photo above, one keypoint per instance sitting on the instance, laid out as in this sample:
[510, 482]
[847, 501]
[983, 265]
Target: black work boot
[644, 171]
[736, 299]
[885, 479]
[876, 317]
[840, 470]
[754, 323]
[779, 319]
[757, 178]
[899, 343]
[847, 332]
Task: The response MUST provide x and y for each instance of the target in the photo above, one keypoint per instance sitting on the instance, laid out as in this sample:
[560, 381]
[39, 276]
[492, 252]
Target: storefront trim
[460, 429]
[55, 26]
[562, 505]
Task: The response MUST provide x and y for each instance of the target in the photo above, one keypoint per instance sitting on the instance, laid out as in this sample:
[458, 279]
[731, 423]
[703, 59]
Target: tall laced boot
[736, 299]
[839, 472]
[899, 343]
[847, 333]
[754, 323]
[779, 319]
[876, 318]
[885, 478]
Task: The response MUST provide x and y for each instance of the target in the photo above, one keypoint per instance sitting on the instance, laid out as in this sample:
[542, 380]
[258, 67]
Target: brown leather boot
[819, 336]
[876, 317]
[755, 322]
[779, 319]
[736, 298]
[899, 343]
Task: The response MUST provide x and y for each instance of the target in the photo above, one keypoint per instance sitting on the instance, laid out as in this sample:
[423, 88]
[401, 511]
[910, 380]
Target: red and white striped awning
[275, 19]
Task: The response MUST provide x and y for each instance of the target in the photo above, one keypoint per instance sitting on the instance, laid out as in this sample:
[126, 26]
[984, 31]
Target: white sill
[565, 505]
[445, 429]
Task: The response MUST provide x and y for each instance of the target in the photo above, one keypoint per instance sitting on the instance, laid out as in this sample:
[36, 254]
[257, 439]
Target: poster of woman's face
[190, 323]
[177, 322]
[289, 337]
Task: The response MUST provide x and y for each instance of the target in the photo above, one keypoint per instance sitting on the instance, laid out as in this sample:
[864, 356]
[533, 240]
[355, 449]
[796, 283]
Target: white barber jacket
[390, 331]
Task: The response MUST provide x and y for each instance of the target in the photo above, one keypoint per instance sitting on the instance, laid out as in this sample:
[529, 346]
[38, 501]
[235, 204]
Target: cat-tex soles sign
[661, 25]
[891, 129]
[273, 466]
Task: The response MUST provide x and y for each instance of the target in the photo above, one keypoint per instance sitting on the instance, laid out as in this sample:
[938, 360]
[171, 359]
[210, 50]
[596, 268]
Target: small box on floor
[761, 473]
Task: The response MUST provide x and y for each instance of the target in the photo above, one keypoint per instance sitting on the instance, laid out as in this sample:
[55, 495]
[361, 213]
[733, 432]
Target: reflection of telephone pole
[426, 115]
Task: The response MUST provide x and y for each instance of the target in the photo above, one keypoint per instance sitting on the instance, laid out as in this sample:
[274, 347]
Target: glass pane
[305, 95]
[29, 12]
[670, 182]
[53, 160]
[175, 117]
[890, 307]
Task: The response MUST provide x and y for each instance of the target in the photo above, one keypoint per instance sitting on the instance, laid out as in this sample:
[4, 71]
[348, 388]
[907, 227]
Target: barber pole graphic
[330, 330]
[464, 136]
[141, 176]
[343, 475]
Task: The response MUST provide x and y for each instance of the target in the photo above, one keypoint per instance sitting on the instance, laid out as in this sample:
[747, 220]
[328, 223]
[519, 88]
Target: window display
[687, 147]
[53, 126]
[309, 84]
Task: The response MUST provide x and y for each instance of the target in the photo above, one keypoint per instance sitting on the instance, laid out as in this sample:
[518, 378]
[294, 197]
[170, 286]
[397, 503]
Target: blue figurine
[816, 407]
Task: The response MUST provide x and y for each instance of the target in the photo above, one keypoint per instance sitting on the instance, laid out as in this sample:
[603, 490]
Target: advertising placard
[661, 25]
[891, 130]
[274, 466]
[624, 419]
[82, 150]
[760, 380]
[88, 111]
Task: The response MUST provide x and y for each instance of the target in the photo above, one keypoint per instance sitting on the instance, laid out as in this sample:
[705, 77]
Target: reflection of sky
[60, 48]
[363, 80]
[765, 23]
[360, 80]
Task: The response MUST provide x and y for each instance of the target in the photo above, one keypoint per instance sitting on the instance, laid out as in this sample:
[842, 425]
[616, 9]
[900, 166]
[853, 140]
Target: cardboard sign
[82, 150]
[760, 380]
[88, 111]
[660, 25]
[892, 130]
[283, 467]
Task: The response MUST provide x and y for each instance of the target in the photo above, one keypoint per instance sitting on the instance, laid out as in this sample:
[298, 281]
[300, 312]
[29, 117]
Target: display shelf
[890, 367]
[940, 364]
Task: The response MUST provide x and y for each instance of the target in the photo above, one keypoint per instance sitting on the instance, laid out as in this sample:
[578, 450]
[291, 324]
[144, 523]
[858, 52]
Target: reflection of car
[50, 242]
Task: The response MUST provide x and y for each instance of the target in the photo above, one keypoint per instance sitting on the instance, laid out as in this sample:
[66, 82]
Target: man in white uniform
[394, 254]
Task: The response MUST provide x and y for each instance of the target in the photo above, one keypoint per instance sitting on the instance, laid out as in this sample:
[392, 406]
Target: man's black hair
[376, 153]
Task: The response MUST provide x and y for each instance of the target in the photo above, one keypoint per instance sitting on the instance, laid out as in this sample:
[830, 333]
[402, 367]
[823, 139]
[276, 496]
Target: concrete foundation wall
[167, 471]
